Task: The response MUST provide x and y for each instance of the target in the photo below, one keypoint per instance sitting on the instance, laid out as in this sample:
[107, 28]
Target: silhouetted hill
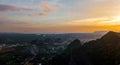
[66, 57]
[111, 37]
[74, 44]
[103, 51]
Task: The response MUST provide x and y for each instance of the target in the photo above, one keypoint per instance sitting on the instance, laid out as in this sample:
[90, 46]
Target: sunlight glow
[115, 20]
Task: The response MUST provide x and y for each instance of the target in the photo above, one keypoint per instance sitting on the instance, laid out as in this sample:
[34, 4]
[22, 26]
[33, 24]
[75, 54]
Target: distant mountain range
[26, 38]
[103, 51]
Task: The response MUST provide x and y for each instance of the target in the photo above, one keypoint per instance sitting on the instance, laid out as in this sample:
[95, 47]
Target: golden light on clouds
[97, 21]
[116, 20]
[60, 16]
[95, 24]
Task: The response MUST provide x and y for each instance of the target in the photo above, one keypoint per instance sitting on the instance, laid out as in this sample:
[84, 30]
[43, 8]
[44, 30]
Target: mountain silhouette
[103, 51]
[74, 44]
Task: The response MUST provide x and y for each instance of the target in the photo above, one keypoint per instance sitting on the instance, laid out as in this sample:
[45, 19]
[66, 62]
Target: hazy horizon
[24, 32]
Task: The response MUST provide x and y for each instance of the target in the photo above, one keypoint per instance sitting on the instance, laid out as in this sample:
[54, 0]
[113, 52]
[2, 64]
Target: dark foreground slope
[103, 51]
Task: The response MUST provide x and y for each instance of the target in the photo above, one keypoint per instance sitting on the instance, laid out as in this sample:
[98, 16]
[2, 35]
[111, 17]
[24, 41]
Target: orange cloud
[47, 7]
[42, 14]
[105, 8]
[60, 28]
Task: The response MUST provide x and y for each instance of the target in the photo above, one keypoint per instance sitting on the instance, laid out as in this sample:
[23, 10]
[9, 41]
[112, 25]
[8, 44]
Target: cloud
[41, 9]
[58, 5]
[113, 20]
[104, 8]
[58, 29]
[7, 7]
[47, 7]
[7, 21]
[4, 7]
[39, 14]
[42, 14]
[93, 8]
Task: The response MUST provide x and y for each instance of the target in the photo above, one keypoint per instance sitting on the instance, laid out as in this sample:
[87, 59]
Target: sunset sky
[59, 16]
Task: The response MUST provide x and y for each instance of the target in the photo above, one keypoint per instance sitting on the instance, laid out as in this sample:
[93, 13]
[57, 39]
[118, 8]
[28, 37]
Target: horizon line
[52, 32]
